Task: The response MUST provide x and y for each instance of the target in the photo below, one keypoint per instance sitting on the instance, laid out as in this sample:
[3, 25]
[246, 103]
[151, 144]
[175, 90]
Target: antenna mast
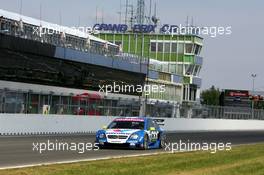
[150, 8]
[40, 12]
[120, 12]
[20, 9]
[102, 15]
[96, 15]
[140, 11]
[126, 12]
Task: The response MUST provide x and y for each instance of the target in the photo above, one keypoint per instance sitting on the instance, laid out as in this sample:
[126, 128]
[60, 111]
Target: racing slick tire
[163, 141]
[145, 143]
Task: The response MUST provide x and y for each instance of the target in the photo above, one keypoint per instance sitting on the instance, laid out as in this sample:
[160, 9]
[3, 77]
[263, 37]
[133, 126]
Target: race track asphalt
[18, 150]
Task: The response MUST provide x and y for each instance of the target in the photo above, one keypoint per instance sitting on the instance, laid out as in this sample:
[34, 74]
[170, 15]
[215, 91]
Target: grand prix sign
[122, 28]
[142, 28]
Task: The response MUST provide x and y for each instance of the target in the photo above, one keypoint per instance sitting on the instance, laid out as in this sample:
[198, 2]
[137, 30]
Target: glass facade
[170, 55]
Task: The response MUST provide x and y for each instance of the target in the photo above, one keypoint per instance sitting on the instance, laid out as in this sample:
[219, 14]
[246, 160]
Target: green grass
[242, 160]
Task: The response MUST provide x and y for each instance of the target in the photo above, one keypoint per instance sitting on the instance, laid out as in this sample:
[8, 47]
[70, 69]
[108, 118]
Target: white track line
[107, 158]
[82, 160]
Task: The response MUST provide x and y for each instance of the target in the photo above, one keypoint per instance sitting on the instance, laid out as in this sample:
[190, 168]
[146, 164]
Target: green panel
[189, 59]
[146, 45]
[160, 37]
[188, 38]
[186, 80]
[173, 57]
[166, 57]
[174, 38]
[180, 58]
[118, 37]
[167, 37]
[181, 37]
[105, 37]
[125, 43]
[152, 55]
[159, 56]
[110, 37]
[139, 45]
[153, 37]
[132, 44]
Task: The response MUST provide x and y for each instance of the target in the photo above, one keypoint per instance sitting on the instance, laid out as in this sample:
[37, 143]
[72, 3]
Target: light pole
[253, 89]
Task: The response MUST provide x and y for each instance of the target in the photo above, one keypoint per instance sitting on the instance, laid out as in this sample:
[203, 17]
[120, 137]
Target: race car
[139, 132]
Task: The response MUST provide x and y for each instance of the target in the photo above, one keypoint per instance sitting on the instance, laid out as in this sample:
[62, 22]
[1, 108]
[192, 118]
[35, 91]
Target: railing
[81, 46]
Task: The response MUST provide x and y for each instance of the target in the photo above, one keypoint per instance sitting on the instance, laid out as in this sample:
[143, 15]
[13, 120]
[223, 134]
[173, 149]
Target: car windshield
[126, 125]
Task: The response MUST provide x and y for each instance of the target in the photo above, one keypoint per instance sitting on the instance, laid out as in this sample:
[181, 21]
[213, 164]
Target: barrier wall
[50, 124]
[27, 124]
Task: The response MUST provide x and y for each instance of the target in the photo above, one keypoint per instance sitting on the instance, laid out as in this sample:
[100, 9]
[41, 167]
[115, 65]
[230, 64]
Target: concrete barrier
[183, 124]
[21, 124]
[30, 124]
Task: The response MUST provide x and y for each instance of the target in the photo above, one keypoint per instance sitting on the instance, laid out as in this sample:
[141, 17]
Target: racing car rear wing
[160, 122]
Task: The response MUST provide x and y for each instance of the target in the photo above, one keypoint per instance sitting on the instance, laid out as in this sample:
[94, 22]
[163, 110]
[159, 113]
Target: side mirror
[152, 129]
[104, 127]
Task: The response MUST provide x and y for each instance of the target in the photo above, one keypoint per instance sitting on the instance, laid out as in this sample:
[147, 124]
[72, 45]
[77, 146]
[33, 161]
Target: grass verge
[241, 160]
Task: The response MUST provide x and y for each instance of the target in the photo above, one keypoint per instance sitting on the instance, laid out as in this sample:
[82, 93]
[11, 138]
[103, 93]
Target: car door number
[153, 135]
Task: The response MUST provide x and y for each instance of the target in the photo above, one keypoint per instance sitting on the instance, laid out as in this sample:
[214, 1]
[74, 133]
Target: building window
[189, 69]
[196, 73]
[153, 46]
[164, 76]
[167, 47]
[165, 67]
[173, 68]
[174, 47]
[160, 47]
[180, 48]
[189, 48]
[197, 50]
[179, 69]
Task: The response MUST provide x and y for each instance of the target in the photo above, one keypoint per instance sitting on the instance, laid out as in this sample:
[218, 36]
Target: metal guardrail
[224, 112]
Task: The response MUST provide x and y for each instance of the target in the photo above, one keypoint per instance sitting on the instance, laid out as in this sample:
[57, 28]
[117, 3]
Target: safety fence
[224, 112]
[29, 102]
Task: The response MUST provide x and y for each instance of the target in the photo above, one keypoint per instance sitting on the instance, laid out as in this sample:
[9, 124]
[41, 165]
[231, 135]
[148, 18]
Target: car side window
[150, 124]
[156, 125]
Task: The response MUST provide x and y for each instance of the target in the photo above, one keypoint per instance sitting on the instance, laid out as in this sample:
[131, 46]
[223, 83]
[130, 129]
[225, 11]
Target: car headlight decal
[134, 137]
[102, 136]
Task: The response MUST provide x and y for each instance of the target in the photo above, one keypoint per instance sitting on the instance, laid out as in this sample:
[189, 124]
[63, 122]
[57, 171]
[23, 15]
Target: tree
[210, 96]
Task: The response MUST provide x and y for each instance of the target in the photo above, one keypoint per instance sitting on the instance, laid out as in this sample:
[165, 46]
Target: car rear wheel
[162, 141]
[146, 142]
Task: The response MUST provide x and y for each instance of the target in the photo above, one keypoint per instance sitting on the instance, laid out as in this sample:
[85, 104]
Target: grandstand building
[33, 55]
[42, 64]
[174, 60]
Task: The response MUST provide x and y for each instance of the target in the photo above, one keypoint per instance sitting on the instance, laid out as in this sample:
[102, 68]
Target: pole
[253, 90]
[147, 80]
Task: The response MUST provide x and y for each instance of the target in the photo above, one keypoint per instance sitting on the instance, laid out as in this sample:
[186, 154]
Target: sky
[229, 60]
